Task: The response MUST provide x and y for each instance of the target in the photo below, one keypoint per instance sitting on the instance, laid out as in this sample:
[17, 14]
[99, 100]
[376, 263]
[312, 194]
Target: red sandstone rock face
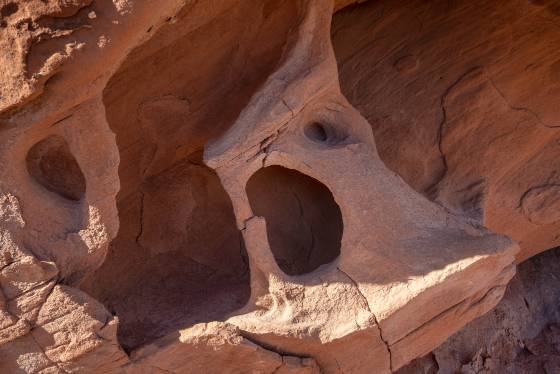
[461, 98]
[195, 187]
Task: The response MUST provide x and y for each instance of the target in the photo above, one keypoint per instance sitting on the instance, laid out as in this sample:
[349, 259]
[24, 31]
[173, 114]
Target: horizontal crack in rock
[270, 348]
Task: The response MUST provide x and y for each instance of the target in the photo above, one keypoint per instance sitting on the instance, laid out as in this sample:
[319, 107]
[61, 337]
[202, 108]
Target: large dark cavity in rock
[304, 223]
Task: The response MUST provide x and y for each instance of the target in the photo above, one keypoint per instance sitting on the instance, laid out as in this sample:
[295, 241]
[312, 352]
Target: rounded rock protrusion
[406, 64]
[541, 205]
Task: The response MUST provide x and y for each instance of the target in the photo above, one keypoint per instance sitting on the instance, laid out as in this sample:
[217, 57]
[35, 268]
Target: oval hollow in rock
[304, 223]
[53, 166]
[316, 131]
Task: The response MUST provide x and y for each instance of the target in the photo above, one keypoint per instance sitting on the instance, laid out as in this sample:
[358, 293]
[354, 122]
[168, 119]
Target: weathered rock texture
[461, 97]
[521, 335]
[195, 186]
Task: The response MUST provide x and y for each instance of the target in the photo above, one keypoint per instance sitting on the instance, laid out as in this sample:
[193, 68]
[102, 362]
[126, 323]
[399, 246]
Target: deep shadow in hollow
[51, 163]
[304, 223]
[177, 260]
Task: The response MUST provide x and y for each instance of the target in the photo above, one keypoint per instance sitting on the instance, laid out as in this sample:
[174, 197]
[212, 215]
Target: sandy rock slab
[520, 335]
[212, 348]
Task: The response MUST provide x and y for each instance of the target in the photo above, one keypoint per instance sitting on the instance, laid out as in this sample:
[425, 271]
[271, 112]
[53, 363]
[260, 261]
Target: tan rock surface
[185, 188]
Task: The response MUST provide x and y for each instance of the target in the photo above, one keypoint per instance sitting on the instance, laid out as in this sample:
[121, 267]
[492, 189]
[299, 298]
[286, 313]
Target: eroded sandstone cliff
[290, 186]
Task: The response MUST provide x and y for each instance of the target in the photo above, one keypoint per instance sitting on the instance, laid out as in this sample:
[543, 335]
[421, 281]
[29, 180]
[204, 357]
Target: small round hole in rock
[303, 221]
[316, 131]
[53, 166]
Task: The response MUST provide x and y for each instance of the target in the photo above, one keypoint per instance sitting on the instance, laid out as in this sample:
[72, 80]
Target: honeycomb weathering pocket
[304, 223]
[53, 166]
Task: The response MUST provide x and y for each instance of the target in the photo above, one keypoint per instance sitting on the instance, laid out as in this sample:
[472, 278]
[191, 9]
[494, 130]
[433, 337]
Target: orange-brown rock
[262, 187]
[461, 99]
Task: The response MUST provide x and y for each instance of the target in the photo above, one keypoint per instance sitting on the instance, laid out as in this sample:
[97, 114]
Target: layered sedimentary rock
[521, 335]
[196, 187]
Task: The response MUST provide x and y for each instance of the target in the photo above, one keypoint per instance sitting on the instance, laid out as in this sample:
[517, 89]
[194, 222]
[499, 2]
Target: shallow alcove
[304, 223]
[53, 166]
[178, 260]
